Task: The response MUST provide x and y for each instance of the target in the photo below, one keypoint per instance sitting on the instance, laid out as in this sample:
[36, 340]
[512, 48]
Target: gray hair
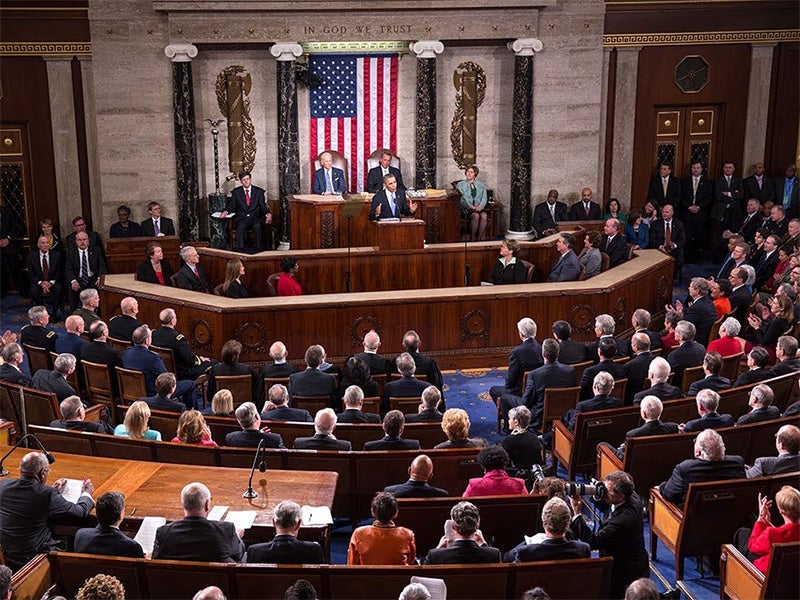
[64, 363]
[605, 323]
[603, 383]
[431, 396]
[556, 516]
[641, 317]
[751, 274]
[415, 591]
[527, 328]
[36, 312]
[70, 408]
[247, 415]
[658, 371]
[195, 495]
[686, 330]
[710, 445]
[278, 394]
[325, 421]
[521, 414]
[277, 351]
[763, 395]
[731, 327]
[185, 251]
[708, 399]
[651, 407]
[640, 341]
[287, 514]
[405, 364]
[700, 284]
[87, 295]
[11, 351]
[353, 396]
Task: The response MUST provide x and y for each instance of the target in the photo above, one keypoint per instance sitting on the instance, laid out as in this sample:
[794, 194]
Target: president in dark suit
[567, 267]
[613, 243]
[787, 442]
[106, 538]
[249, 203]
[555, 546]
[328, 179]
[391, 202]
[709, 464]
[45, 269]
[312, 381]
[323, 438]
[285, 548]
[585, 209]
[697, 194]
[376, 174]
[664, 188]
[195, 537]
[156, 225]
[677, 235]
[393, 424]
[548, 213]
[466, 546]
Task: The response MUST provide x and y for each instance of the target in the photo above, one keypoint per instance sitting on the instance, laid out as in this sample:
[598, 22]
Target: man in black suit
[121, 327]
[378, 365]
[73, 418]
[554, 545]
[707, 405]
[99, 352]
[757, 362]
[766, 265]
[323, 439]
[407, 386]
[728, 197]
[195, 537]
[352, 413]
[393, 424]
[95, 239]
[636, 369]
[658, 374]
[157, 225]
[391, 202]
[620, 535]
[525, 357]
[712, 365]
[613, 243]
[547, 214]
[570, 352]
[27, 507]
[165, 387]
[10, 369]
[585, 209]
[640, 320]
[778, 223]
[56, 380]
[750, 223]
[759, 186]
[427, 412]
[552, 374]
[83, 266]
[740, 296]
[694, 208]
[285, 548]
[787, 191]
[106, 538]
[701, 312]
[602, 386]
[312, 381]
[709, 464]
[276, 408]
[252, 434]
[36, 333]
[666, 226]
[466, 544]
[787, 442]
[606, 350]
[229, 366]
[376, 174]
[760, 403]
[187, 364]
[249, 203]
[425, 364]
[786, 355]
[567, 267]
[650, 411]
[279, 367]
[191, 275]
[45, 269]
[664, 188]
[417, 486]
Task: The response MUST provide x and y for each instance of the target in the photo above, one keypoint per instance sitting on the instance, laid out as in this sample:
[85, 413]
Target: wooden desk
[125, 254]
[408, 234]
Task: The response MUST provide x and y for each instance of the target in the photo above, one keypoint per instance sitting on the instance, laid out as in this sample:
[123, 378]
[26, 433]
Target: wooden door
[685, 134]
[15, 179]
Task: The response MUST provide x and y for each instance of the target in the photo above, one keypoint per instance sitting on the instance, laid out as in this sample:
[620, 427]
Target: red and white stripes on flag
[354, 111]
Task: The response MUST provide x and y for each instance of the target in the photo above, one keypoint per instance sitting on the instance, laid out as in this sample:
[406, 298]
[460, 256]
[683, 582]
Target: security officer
[37, 334]
[187, 364]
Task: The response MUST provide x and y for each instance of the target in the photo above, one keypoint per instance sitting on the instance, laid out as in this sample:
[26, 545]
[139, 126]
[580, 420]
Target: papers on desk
[72, 490]
[146, 536]
[316, 515]
[216, 513]
[486, 283]
[218, 215]
[390, 220]
[241, 519]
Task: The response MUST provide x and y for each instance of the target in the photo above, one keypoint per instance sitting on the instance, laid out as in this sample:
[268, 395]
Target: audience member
[606, 351]
[779, 321]
[668, 235]
[642, 589]
[393, 424]
[765, 534]
[276, 408]
[570, 352]
[707, 404]
[637, 367]
[668, 341]
[695, 205]
[323, 438]
[508, 269]
[567, 267]
[658, 374]
[556, 518]
[590, 258]
[124, 227]
[287, 283]
[353, 402]
[285, 548]
[640, 321]
[455, 424]
[728, 342]
[187, 364]
[191, 275]
[252, 434]
[602, 386]
[10, 369]
[301, 590]
[547, 214]
[415, 591]
[279, 367]
[383, 542]
[72, 342]
[162, 400]
[701, 312]
[760, 401]
[688, 354]
[6, 591]
[121, 327]
[56, 380]
[106, 538]
[419, 475]
[494, 460]
[137, 423]
[527, 356]
[378, 365]
[463, 542]
[156, 225]
[407, 386]
[786, 355]
[230, 365]
[650, 410]
[83, 267]
[356, 372]
[425, 364]
[585, 209]
[427, 411]
[73, 415]
[192, 429]
[155, 268]
[712, 366]
[787, 442]
[757, 362]
[45, 270]
[720, 290]
[523, 447]
[36, 333]
[90, 301]
[312, 381]
[250, 211]
[211, 592]
[221, 404]
[101, 587]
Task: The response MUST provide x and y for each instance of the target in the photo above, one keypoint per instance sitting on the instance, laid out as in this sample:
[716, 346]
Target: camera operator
[621, 535]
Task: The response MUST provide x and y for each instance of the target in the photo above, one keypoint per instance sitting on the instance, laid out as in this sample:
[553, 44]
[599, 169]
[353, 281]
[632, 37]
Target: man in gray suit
[787, 441]
[568, 267]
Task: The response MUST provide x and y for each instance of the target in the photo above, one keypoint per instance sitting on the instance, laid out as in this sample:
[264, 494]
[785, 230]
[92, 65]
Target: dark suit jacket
[381, 199]
[337, 179]
[313, 382]
[549, 375]
[121, 327]
[515, 272]
[695, 470]
[236, 289]
[525, 357]
[789, 365]
[740, 299]
[392, 443]
[794, 205]
[284, 413]
[426, 416]
[709, 421]
[636, 371]
[462, 552]
[197, 538]
[703, 199]
[728, 207]
[578, 213]
[656, 191]
[571, 352]
[12, 375]
[712, 382]
[375, 179]
[656, 427]
[278, 370]
[428, 367]
[765, 268]
[617, 249]
[108, 541]
[139, 358]
[702, 315]
[72, 266]
[566, 269]
[162, 403]
[321, 442]
[54, 263]
[753, 376]
[655, 341]
[549, 549]
[774, 465]
[250, 438]
[102, 353]
[286, 549]
[90, 426]
[763, 193]
[145, 272]
[237, 368]
[405, 387]
[617, 371]
[377, 364]
[416, 489]
[663, 391]
[187, 280]
[52, 381]
[258, 208]
[543, 220]
[688, 354]
[166, 226]
[353, 415]
[759, 414]
[658, 234]
[591, 405]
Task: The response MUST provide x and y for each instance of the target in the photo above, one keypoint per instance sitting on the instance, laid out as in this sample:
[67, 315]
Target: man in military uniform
[121, 327]
[90, 300]
[37, 334]
[187, 364]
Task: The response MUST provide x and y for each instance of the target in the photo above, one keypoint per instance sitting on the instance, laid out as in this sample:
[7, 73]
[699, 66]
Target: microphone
[262, 466]
[251, 493]
[50, 458]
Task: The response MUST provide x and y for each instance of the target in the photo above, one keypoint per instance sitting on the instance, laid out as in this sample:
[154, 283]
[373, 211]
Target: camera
[536, 473]
[596, 489]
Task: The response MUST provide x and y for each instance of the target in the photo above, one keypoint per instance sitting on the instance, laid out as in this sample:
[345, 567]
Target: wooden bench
[142, 578]
[740, 580]
[36, 407]
[650, 460]
[712, 513]
[504, 519]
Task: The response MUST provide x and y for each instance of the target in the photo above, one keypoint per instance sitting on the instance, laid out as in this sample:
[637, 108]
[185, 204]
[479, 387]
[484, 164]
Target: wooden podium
[391, 234]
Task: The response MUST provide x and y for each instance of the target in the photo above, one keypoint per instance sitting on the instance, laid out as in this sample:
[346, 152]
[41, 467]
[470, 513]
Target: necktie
[668, 235]
[724, 266]
[84, 268]
[392, 204]
[745, 222]
[328, 181]
[247, 196]
[45, 268]
[758, 179]
[728, 180]
[586, 208]
[694, 189]
[156, 228]
[664, 183]
[553, 212]
[196, 273]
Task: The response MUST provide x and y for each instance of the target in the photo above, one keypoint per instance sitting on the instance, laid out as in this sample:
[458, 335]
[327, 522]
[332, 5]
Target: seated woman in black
[356, 372]
[508, 268]
[233, 286]
[155, 269]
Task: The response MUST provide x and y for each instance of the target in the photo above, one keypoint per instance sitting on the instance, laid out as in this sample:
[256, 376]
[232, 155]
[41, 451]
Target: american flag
[354, 111]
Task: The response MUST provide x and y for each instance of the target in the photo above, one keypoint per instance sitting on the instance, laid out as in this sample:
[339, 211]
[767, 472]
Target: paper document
[218, 215]
[316, 515]
[72, 491]
[146, 536]
[436, 587]
[486, 283]
[535, 539]
[241, 519]
[217, 513]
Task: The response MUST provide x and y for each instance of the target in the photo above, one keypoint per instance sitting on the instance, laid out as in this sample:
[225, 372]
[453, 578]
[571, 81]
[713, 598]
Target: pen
[133, 512]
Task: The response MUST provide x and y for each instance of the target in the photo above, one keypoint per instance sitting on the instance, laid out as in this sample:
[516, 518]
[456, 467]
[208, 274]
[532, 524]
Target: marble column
[624, 123]
[426, 51]
[522, 138]
[755, 125]
[288, 143]
[186, 181]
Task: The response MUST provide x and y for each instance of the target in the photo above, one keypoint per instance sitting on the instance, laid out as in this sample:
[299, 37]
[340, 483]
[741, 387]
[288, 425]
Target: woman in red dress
[287, 283]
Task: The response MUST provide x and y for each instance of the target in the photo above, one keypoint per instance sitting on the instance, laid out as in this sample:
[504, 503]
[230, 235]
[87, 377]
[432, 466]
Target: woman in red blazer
[765, 534]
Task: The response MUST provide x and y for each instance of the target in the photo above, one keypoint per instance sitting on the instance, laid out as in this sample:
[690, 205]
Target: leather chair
[339, 161]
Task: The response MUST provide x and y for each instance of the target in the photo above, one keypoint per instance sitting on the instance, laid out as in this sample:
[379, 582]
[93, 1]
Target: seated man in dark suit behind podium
[285, 548]
[391, 202]
[156, 225]
[106, 538]
[384, 168]
[191, 275]
[328, 180]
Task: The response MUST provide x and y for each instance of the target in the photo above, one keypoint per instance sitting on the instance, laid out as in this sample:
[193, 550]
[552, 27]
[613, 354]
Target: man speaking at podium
[390, 203]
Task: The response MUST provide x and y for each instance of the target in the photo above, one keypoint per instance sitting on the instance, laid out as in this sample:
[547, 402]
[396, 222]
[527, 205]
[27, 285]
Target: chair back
[713, 333]
[132, 385]
[618, 391]
[272, 284]
[582, 274]
[404, 405]
[38, 358]
[338, 161]
[529, 268]
[241, 386]
[270, 381]
[120, 345]
[691, 375]
[312, 404]
[218, 289]
[629, 252]
[372, 405]
[99, 384]
[730, 366]
[579, 368]
[380, 379]
[558, 401]
[72, 378]
[173, 279]
[373, 160]
[167, 355]
[605, 262]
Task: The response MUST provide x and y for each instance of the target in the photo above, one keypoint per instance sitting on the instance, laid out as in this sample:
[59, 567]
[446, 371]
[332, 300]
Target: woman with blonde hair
[136, 423]
[221, 404]
[765, 534]
[455, 424]
[192, 429]
[233, 286]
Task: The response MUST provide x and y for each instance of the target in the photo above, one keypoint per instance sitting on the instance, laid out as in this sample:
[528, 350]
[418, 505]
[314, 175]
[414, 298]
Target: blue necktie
[392, 204]
[84, 268]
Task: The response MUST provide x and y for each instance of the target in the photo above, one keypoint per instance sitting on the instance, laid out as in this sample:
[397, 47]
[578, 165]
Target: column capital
[525, 46]
[286, 51]
[426, 48]
[180, 52]
[768, 45]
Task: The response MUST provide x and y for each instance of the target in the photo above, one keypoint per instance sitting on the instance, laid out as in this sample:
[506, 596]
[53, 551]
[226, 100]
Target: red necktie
[668, 235]
[45, 268]
[247, 197]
